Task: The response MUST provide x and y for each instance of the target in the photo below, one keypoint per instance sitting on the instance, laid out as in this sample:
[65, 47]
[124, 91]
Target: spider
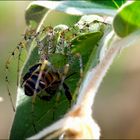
[50, 74]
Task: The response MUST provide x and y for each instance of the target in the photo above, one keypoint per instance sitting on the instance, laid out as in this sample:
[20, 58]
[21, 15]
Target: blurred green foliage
[127, 19]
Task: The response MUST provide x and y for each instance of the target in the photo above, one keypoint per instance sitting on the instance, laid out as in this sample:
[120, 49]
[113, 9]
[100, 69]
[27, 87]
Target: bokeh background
[117, 103]
[12, 26]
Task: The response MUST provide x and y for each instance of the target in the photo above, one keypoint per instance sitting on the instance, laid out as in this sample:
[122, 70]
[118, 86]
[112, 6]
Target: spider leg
[28, 75]
[67, 93]
[42, 68]
[33, 116]
[66, 68]
[19, 50]
[81, 75]
[45, 63]
[30, 72]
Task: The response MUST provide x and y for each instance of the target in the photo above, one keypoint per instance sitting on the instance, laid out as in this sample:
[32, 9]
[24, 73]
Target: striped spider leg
[18, 50]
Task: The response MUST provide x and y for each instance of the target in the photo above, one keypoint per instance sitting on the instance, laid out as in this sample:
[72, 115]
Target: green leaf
[83, 44]
[38, 9]
[127, 19]
[110, 3]
[36, 13]
[47, 112]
